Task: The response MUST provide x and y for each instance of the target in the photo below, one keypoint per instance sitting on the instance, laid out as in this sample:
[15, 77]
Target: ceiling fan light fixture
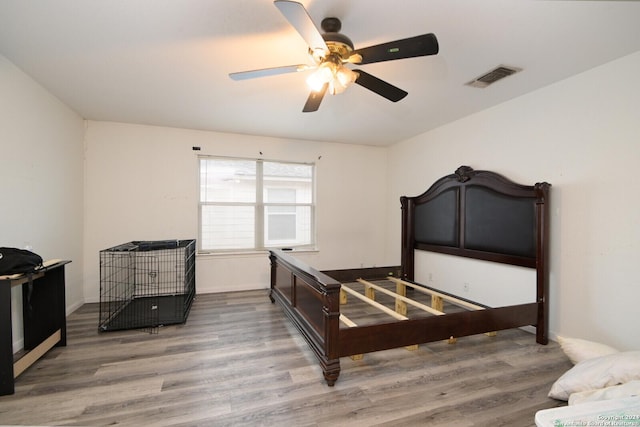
[346, 76]
[323, 74]
[338, 77]
[335, 87]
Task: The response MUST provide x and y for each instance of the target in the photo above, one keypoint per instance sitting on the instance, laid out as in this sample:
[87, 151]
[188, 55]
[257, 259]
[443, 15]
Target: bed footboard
[311, 300]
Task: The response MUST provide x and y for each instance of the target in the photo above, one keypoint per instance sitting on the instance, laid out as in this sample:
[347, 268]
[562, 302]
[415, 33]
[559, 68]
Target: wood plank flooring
[238, 361]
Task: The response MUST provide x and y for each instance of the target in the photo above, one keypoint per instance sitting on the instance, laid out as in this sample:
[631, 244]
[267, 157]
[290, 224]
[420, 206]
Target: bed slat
[448, 298]
[402, 298]
[374, 304]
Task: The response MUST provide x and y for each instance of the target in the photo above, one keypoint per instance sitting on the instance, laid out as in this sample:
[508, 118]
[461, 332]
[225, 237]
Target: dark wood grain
[238, 361]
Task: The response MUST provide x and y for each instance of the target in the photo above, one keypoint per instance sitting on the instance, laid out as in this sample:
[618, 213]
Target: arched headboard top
[466, 175]
[477, 214]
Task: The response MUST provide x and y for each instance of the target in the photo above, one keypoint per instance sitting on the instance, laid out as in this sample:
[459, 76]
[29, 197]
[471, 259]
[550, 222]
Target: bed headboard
[482, 215]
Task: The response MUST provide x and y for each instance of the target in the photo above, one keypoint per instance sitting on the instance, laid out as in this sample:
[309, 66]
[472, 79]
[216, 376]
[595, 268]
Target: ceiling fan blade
[264, 72]
[382, 88]
[314, 100]
[299, 18]
[426, 44]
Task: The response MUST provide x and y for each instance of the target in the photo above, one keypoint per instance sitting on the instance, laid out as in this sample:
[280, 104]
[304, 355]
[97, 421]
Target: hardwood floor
[238, 361]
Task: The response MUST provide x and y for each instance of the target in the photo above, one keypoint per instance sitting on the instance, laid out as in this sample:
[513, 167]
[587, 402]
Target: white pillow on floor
[578, 350]
[596, 373]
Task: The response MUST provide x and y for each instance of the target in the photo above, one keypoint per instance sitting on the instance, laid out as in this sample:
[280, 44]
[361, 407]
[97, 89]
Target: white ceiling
[166, 62]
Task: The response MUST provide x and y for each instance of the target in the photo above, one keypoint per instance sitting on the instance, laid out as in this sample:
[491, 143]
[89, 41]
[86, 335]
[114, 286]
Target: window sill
[250, 254]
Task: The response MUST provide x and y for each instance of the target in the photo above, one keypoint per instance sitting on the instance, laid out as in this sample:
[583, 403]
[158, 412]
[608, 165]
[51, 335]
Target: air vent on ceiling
[493, 76]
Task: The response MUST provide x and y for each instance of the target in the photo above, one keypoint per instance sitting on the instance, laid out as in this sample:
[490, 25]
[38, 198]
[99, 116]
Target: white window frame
[260, 209]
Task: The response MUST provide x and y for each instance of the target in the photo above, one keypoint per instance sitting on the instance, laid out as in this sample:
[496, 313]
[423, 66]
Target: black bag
[15, 261]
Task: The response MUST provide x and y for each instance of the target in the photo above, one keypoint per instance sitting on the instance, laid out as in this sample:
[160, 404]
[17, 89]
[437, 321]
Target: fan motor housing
[337, 42]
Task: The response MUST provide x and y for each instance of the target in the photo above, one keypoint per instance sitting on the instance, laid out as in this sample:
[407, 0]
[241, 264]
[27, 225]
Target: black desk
[44, 320]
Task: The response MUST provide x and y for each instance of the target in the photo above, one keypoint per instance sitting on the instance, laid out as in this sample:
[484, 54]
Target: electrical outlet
[430, 277]
[465, 287]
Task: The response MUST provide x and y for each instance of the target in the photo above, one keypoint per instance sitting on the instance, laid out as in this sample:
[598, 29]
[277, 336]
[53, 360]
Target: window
[280, 220]
[255, 204]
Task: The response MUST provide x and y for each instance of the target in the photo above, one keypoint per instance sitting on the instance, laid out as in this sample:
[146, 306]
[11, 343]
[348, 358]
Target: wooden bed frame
[474, 214]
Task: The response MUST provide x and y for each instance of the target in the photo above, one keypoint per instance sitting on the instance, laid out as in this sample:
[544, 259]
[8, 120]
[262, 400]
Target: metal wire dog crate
[146, 284]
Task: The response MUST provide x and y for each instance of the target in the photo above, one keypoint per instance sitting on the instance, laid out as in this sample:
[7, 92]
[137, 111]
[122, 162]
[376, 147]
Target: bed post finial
[542, 190]
[463, 173]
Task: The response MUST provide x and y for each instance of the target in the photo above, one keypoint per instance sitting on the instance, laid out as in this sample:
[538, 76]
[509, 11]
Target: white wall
[583, 136]
[41, 179]
[142, 184]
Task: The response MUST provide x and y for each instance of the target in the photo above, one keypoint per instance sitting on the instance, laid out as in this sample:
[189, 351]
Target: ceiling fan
[331, 51]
